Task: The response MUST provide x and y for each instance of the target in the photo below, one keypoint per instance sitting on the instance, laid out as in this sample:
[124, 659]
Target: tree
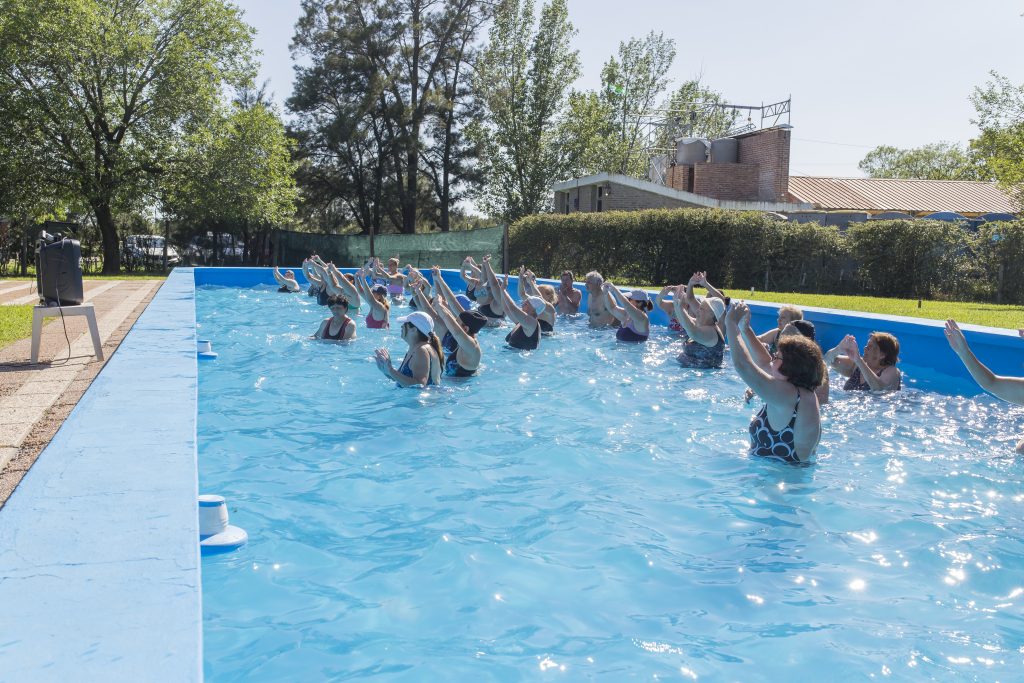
[235, 173]
[937, 161]
[522, 76]
[378, 72]
[104, 89]
[697, 111]
[630, 86]
[1000, 109]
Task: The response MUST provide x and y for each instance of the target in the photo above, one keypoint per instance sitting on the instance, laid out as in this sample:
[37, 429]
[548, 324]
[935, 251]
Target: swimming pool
[588, 512]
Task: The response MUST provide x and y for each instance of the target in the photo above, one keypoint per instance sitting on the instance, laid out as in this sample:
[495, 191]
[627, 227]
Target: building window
[600, 192]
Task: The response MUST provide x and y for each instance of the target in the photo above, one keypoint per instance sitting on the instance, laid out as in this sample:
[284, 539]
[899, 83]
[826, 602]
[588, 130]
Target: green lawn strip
[991, 315]
[122, 276]
[15, 323]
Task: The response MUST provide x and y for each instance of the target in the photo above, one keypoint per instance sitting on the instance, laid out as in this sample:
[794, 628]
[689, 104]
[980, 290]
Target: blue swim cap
[464, 301]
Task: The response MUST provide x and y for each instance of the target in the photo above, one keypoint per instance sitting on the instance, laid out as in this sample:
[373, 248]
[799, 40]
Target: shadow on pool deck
[36, 399]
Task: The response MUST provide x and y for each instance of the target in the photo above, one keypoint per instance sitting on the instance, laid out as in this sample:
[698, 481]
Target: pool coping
[99, 556]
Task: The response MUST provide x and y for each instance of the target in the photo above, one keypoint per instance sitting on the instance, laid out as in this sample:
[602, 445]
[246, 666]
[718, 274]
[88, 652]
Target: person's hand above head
[955, 337]
[702, 278]
[849, 347]
[679, 292]
[733, 316]
[742, 310]
[694, 279]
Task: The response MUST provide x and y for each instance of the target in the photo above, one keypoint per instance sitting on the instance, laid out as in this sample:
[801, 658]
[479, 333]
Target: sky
[860, 74]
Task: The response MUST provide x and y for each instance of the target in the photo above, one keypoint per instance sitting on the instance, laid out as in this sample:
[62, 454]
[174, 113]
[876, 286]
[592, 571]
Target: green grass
[122, 276]
[992, 315]
[15, 323]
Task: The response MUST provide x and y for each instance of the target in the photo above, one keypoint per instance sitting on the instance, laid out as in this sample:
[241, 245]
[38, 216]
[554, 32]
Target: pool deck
[36, 399]
[99, 556]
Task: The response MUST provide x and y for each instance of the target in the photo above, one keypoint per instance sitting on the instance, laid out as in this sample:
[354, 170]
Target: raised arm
[613, 301]
[705, 334]
[348, 290]
[468, 271]
[838, 362]
[423, 303]
[517, 314]
[497, 300]
[770, 389]
[310, 273]
[330, 284]
[758, 353]
[466, 341]
[707, 286]
[281, 279]
[663, 303]
[1007, 388]
[442, 288]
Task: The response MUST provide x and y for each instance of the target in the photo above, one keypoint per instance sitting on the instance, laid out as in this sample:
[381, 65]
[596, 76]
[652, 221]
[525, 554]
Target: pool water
[588, 511]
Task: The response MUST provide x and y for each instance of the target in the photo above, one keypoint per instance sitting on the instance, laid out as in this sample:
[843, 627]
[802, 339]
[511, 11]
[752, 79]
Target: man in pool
[568, 296]
[287, 281]
[597, 302]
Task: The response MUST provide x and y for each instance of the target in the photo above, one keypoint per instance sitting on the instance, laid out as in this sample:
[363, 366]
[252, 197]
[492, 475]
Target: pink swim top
[374, 324]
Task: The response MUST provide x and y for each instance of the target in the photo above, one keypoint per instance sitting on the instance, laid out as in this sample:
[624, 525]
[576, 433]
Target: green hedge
[659, 246]
[740, 250]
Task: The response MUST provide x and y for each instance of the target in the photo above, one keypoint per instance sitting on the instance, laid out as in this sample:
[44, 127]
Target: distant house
[750, 172]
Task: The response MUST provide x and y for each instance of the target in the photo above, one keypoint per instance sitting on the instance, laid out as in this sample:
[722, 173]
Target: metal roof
[889, 194]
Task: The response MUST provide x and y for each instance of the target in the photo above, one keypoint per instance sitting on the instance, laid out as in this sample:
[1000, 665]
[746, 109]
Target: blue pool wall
[925, 356]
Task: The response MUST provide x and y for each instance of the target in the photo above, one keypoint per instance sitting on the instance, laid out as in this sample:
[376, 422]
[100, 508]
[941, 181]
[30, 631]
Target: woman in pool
[422, 363]
[316, 285]
[705, 345]
[339, 284]
[339, 327]
[634, 324]
[489, 300]
[528, 287]
[394, 280]
[472, 276]
[692, 306]
[287, 281]
[786, 384]
[797, 328]
[458, 330]
[875, 370]
[568, 296]
[525, 336]
[1010, 389]
[377, 296]
[787, 314]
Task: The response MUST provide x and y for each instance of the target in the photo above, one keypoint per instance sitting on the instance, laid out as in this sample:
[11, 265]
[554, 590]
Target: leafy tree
[103, 90]
[522, 76]
[937, 161]
[236, 173]
[630, 86]
[697, 111]
[1000, 116]
[377, 74]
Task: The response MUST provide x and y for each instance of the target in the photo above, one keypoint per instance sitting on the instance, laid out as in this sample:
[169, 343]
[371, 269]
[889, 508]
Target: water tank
[691, 151]
[724, 151]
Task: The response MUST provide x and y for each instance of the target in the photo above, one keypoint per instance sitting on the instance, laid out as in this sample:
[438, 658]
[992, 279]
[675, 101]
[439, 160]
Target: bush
[918, 258]
[1000, 258]
[665, 246]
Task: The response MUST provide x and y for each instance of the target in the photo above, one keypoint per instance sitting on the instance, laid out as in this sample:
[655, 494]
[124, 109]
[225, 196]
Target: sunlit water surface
[588, 511]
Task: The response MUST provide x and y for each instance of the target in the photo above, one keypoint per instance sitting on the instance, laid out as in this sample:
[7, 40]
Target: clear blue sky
[861, 74]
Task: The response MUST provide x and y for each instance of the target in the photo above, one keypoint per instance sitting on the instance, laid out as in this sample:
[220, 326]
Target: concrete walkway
[35, 399]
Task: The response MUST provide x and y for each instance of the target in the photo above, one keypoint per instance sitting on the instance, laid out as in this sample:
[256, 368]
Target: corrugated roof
[912, 196]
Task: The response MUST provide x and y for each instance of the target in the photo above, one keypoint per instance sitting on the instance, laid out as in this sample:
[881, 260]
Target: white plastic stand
[41, 312]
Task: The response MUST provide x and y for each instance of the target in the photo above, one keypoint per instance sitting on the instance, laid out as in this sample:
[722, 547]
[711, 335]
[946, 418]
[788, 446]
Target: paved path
[35, 399]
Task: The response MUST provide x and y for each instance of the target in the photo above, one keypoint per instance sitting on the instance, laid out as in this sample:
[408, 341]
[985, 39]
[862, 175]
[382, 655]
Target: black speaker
[59, 272]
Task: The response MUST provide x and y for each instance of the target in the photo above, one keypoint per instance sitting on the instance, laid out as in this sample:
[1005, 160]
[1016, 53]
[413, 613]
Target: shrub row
[746, 249]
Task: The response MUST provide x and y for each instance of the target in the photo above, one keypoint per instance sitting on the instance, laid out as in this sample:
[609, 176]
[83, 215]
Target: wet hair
[549, 294]
[888, 345]
[792, 312]
[802, 363]
[337, 301]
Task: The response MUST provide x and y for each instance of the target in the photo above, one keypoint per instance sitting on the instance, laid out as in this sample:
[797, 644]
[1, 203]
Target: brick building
[750, 172]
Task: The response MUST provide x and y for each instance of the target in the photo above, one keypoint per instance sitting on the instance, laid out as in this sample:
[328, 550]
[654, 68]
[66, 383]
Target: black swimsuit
[768, 443]
[518, 339]
[452, 368]
[486, 310]
[545, 326]
[856, 382]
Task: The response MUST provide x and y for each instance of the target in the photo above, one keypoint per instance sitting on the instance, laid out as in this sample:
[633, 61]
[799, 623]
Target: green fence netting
[444, 249]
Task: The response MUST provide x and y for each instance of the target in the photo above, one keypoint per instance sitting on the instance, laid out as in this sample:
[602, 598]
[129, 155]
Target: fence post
[999, 284]
[372, 253]
[276, 243]
[504, 248]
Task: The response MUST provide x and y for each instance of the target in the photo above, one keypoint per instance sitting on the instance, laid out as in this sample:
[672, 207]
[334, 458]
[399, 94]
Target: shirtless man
[568, 296]
[597, 303]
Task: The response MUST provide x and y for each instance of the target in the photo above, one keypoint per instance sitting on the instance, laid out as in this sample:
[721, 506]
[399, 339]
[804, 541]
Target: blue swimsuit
[404, 369]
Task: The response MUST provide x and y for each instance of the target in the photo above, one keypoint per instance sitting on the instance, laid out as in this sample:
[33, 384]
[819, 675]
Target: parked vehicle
[149, 250]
